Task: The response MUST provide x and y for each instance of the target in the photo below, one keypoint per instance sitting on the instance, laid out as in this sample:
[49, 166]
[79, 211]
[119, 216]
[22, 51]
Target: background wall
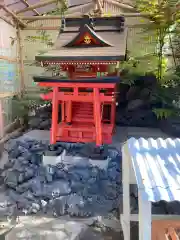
[32, 47]
[9, 68]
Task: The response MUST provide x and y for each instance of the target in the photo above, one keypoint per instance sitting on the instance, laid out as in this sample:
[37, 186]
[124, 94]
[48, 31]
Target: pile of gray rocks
[76, 188]
[40, 118]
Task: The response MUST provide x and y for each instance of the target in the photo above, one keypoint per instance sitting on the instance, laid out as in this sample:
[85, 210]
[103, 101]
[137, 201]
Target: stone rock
[140, 118]
[158, 208]
[71, 186]
[109, 221]
[102, 164]
[145, 94]
[122, 93]
[170, 126]
[46, 124]
[173, 207]
[91, 151]
[47, 229]
[91, 234]
[149, 80]
[34, 122]
[133, 93]
[135, 104]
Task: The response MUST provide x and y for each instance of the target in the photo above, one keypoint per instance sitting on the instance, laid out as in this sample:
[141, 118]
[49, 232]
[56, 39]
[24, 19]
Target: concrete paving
[43, 228]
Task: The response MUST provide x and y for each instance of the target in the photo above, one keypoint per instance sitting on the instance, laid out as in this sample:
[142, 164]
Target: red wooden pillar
[55, 105]
[62, 111]
[97, 117]
[69, 111]
[71, 70]
[113, 107]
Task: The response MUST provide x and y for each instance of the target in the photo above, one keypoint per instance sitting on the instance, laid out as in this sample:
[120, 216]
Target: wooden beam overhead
[13, 15]
[9, 21]
[78, 8]
[20, 48]
[28, 5]
[99, 5]
[77, 16]
[121, 5]
[11, 60]
[37, 5]
[31, 18]
[72, 12]
[42, 28]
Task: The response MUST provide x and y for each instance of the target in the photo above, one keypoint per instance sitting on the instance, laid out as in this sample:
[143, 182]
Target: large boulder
[170, 126]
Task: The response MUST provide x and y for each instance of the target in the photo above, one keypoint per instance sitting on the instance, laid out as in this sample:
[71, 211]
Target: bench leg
[144, 218]
[125, 218]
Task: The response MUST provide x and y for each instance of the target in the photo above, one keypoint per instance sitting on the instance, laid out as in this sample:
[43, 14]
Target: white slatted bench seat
[154, 165]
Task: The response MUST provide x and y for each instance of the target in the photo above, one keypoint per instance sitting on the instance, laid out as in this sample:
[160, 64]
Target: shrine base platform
[83, 132]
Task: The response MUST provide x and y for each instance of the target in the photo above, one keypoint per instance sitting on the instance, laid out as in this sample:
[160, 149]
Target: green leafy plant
[133, 68]
[163, 23]
[41, 36]
[163, 112]
[22, 105]
[62, 7]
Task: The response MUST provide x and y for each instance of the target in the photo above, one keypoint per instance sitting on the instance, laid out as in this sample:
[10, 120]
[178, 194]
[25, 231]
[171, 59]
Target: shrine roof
[106, 35]
[112, 79]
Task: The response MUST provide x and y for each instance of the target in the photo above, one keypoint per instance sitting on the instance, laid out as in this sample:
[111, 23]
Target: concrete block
[53, 160]
[102, 164]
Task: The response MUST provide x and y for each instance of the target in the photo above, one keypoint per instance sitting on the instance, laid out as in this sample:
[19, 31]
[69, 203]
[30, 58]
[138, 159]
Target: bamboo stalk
[41, 17]
[28, 5]
[37, 5]
[99, 6]
[72, 12]
[133, 15]
[121, 5]
[12, 126]
[22, 85]
[77, 16]
[7, 94]
[13, 60]
[55, 28]
[14, 16]
[42, 28]
[14, 134]
[78, 8]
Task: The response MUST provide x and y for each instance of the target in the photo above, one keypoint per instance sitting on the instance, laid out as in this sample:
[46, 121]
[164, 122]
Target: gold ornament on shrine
[87, 39]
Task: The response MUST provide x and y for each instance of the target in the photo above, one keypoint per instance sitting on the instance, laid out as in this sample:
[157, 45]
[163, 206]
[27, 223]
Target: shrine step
[82, 112]
[83, 132]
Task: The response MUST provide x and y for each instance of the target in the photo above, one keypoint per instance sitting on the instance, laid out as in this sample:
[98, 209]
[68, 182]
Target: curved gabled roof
[87, 30]
[110, 33]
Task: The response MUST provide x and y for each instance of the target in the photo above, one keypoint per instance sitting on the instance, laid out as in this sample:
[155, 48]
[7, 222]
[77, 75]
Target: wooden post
[7, 20]
[27, 4]
[1, 120]
[75, 15]
[13, 15]
[21, 63]
[37, 5]
[54, 125]
[99, 6]
[121, 5]
[97, 117]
